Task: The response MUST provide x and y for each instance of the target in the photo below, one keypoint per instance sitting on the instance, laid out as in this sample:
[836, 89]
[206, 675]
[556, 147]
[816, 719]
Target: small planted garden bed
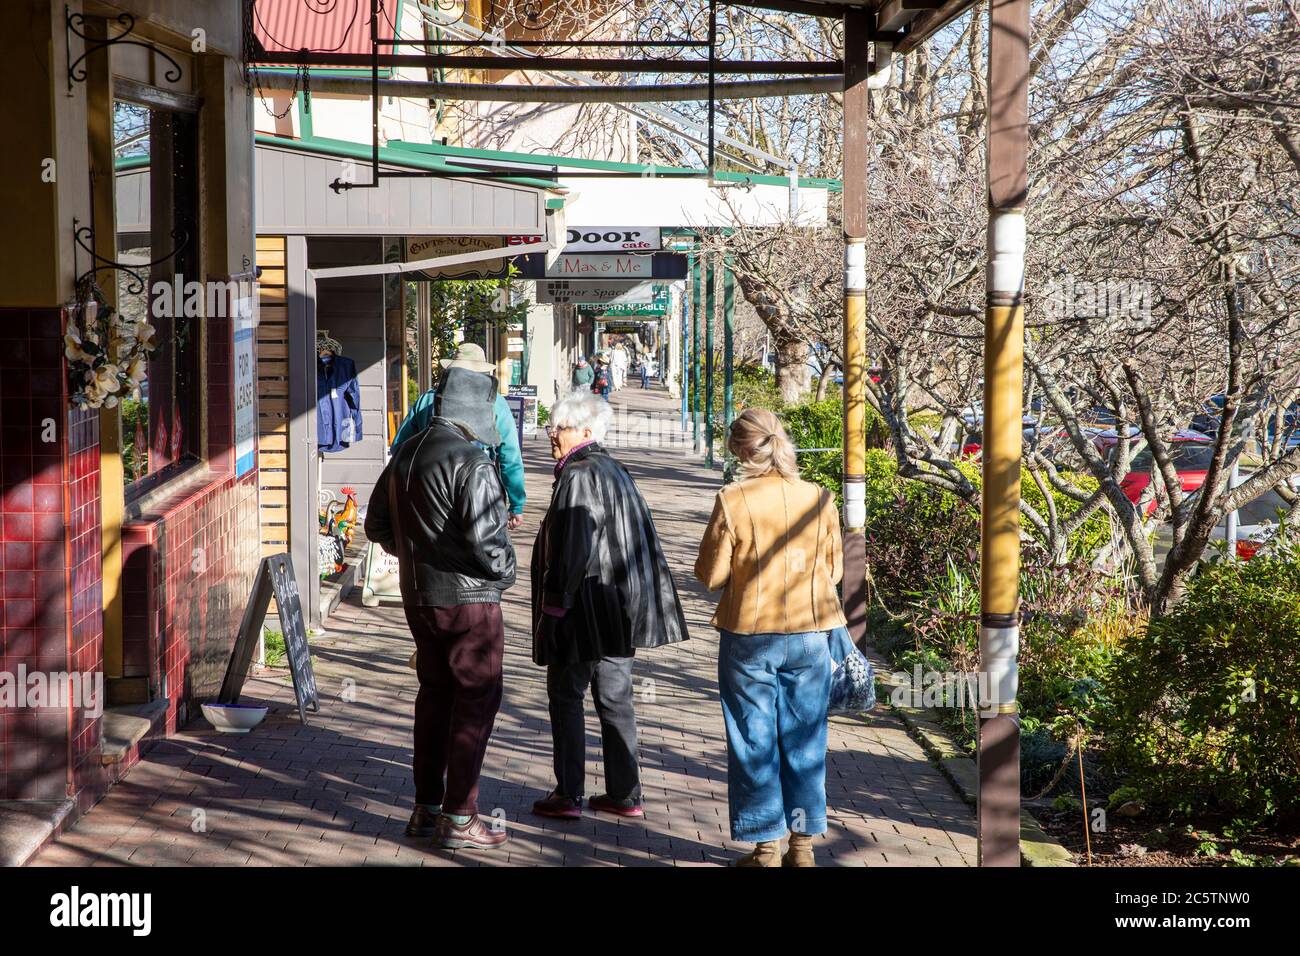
[1144, 841]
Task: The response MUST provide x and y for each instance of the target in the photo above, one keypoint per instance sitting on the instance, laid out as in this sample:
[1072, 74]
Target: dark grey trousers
[610, 680]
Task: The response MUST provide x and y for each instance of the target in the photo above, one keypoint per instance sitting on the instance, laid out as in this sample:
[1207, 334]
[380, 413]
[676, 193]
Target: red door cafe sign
[602, 239]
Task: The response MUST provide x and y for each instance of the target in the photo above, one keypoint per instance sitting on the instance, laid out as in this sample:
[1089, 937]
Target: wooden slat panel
[272, 276]
[271, 295]
[273, 442]
[274, 314]
[268, 372]
[276, 350]
[273, 459]
[275, 405]
[271, 496]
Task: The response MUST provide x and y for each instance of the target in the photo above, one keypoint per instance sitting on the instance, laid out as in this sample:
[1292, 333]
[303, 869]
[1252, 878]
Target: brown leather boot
[475, 835]
[767, 853]
[800, 852]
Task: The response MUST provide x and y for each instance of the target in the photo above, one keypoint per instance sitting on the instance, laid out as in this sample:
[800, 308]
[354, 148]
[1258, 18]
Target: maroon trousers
[459, 650]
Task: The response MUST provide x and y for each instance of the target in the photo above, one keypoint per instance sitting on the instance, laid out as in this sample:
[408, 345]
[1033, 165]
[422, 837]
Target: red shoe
[604, 803]
[558, 807]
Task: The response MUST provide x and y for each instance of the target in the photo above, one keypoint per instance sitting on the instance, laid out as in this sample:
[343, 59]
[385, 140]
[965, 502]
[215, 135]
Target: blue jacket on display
[338, 403]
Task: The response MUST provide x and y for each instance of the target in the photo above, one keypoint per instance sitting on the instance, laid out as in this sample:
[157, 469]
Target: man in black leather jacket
[440, 508]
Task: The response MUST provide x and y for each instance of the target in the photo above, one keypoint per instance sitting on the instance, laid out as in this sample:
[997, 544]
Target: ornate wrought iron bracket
[74, 25]
[84, 237]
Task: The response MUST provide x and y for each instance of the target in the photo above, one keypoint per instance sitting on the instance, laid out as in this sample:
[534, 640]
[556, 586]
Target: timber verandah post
[998, 826]
[695, 352]
[856, 73]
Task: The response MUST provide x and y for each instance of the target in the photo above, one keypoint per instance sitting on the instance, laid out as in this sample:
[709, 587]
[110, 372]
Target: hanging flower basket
[106, 351]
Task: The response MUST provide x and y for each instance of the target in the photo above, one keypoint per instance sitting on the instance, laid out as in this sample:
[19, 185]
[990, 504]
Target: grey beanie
[469, 399]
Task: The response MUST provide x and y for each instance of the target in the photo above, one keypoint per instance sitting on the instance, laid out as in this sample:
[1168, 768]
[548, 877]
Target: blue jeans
[774, 692]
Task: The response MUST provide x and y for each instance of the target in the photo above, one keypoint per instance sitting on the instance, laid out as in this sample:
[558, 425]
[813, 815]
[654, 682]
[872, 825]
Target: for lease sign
[245, 323]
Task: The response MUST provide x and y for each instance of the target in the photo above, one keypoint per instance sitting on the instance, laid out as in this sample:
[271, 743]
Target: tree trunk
[793, 376]
[824, 380]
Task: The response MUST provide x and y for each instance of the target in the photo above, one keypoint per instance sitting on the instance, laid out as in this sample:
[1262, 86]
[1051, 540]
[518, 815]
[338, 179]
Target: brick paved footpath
[339, 790]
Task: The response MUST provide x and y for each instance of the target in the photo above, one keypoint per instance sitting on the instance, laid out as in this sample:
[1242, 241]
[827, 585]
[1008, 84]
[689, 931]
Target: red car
[1191, 453]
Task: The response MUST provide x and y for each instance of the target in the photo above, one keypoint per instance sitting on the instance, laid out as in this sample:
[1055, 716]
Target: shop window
[156, 159]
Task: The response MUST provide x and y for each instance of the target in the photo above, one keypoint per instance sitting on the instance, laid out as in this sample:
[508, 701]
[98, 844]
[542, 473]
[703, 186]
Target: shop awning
[293, 196]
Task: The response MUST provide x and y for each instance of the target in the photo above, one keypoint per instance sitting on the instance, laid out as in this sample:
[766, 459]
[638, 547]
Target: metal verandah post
[856, 71]
[728, 342]
[710, 307]
[695, 352]
[998, 826]
[684, 350]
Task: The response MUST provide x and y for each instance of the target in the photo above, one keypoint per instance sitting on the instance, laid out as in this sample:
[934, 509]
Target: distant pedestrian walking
[583, 373]
[601, 591]
[618, 364]
[773, 546]
[603, 376]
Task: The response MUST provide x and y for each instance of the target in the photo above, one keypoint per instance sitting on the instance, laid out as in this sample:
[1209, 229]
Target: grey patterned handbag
[853, 681]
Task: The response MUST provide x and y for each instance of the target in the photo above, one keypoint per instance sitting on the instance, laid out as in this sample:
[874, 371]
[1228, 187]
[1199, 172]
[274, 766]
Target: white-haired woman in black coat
[601, 590]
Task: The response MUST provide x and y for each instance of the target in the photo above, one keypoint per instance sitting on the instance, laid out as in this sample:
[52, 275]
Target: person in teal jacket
[508, 454]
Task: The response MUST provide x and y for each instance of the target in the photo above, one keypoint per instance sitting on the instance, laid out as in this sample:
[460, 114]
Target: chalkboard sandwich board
[274, 577]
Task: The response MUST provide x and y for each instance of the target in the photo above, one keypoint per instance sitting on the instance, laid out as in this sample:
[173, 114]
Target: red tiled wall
[188, 565]
[36, 629]
[85, 582]
[187, 572]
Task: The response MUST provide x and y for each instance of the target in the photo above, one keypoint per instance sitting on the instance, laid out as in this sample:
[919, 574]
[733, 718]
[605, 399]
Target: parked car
[1033, 434]
[1290, 427]
[1191, 453]
[1250, 538]
[1208, 419]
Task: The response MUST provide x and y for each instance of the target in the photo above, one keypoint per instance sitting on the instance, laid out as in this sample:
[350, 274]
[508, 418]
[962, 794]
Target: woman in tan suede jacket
[773, 546]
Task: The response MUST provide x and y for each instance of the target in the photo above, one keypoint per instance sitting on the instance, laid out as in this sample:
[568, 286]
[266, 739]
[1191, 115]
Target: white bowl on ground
[234, 718]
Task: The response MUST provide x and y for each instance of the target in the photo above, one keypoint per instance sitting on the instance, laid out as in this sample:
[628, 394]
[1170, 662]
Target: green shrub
[1207, 699]
[923, 555]
[912, 530]
[819, 425]
[1095, 532]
